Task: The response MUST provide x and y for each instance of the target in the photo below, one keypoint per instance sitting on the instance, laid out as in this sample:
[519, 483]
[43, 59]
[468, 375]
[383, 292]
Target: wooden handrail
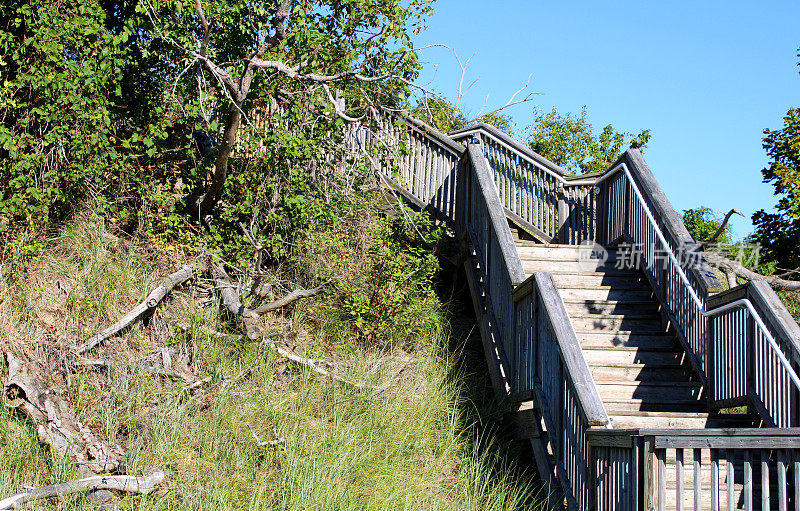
[577, 368]
[663, 210]
[513, 263]
[524, 151]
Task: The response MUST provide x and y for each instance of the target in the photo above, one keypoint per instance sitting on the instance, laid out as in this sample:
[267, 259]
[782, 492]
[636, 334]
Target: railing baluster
[729, 486]
[714, 454]
[748, 482]
[764, 479]
[679, 478]
[698, 488]
[781, 467]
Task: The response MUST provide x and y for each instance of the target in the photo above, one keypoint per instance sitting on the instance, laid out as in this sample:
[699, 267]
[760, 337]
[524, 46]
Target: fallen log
[56, 423]
[149, 303]
[130, 484]
[735, 268]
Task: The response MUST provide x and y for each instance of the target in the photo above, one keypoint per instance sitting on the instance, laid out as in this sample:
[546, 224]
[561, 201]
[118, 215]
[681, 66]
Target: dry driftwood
[131, 484]
[56, 423]
[734, 268]
[152, 300]
[232, 302]
[291, 297]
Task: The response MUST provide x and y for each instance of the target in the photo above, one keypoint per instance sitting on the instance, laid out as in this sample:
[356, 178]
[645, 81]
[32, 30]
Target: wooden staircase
[615, 374]
[636, 360]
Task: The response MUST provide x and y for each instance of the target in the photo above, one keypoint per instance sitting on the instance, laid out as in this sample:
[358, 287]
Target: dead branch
[56, 423]
[126, 483]
[150, 303]
[728, 266]
[232, 302]
[291, 297]
[724, 224]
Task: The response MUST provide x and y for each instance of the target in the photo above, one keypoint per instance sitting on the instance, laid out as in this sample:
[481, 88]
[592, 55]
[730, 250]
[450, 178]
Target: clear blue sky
[705, 77]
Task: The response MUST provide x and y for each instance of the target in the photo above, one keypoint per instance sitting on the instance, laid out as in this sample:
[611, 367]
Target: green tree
[569, 141]
[702, 224]
[446, 117]
[779, 233]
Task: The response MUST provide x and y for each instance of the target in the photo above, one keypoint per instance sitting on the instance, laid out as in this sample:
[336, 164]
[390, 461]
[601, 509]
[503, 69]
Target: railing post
[650, 477]
[563, 215]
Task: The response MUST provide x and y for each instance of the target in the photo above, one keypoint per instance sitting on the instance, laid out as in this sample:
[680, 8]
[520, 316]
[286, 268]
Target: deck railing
[540, 352]
[537, 194]
[553, 369]
[753, 343]
[414, 158]
[722, 469]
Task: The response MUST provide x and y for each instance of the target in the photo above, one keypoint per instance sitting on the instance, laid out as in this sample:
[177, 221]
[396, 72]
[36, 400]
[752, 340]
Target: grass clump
[412, 439]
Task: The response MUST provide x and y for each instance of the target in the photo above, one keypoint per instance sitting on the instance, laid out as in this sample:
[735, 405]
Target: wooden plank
[764, 480]
[729, 439]
[729, 480]
[781, 462]
[679, 479]
[714, 480]
[748, 482]
[517, 147]
[662, 479]
[499, 385]
[578, 369]
[505, 241]
[697, 487]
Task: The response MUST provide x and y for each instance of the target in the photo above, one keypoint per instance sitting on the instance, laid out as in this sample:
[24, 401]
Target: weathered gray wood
[729, 481]
[150, 302]
[516, 273]
[679, 479]
[517, 147]
[764, 480]
[663, 210]
[729, 440]
[576, 365]
[662, 479]
[698, 488]
[714, 480]
[748, 482]
[781, 469]
[774, 313]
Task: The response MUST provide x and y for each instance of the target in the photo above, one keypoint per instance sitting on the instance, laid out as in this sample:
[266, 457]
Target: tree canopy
[779, 233]
[569, 141]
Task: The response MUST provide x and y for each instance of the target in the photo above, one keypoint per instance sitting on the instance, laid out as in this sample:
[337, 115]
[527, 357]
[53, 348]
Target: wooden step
[648, 309]
[616, 323]
[568, 253]
[641, 372]
[653, 392]
[605, 293]
[680, 421]
[573, 267]
[657, 406]
[602, 357]
[617, 281]
[625, 339]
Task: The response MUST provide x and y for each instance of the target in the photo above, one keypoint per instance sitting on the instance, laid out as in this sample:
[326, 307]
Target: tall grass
[407, 441]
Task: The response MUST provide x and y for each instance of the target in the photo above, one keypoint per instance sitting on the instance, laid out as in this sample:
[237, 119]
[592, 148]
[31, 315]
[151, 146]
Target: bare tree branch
[143, 485]
[729, 266]
[149, 303]
[724, 224]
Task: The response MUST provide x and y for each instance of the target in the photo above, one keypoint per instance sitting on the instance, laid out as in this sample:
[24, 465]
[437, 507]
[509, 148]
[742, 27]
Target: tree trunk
[212, 196]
